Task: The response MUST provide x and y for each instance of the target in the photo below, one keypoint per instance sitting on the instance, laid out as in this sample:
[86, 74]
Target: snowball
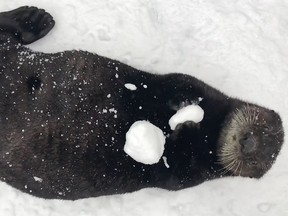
[144, 142]
[130, 86]
[192, 113]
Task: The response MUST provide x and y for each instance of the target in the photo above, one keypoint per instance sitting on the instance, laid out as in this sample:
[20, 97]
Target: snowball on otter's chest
[144, 142]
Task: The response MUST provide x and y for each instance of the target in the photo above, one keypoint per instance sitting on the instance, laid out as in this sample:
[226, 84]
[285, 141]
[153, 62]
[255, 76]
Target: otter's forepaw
[30, 23]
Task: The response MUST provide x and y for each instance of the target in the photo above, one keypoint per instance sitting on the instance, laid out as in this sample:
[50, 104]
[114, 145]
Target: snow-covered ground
[237, 46]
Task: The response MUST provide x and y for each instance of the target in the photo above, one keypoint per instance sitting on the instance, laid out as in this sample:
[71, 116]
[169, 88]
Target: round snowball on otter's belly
[192, 113]
[144, 142]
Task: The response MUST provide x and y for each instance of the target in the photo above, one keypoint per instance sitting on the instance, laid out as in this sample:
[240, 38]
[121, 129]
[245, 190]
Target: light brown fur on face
[263, 127]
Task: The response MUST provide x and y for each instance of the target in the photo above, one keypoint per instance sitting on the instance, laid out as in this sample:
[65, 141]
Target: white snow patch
[165, 162]
[192, 113]
[130, 86]
[37, 179]
[112, 110]
[144, 142]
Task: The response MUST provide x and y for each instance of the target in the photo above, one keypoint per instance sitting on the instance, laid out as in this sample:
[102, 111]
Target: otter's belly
[64, 117]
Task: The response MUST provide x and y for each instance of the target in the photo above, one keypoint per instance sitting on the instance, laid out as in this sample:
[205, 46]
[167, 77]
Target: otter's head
[250, 141]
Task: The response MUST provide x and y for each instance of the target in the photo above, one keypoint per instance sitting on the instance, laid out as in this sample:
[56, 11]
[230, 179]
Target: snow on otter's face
[144, 142]
[192, 113]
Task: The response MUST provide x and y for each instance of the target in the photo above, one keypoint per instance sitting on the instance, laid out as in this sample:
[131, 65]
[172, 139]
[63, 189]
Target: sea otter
[64, 116]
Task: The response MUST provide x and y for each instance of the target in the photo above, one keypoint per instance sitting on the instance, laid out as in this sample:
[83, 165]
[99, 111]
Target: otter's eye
[253, 163]
[267, 128]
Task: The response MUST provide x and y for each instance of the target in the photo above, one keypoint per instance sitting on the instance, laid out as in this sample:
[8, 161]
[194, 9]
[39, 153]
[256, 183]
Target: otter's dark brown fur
[64, 116]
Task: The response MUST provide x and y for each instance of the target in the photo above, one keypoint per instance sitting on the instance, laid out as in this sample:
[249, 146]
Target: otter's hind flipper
[28, 24]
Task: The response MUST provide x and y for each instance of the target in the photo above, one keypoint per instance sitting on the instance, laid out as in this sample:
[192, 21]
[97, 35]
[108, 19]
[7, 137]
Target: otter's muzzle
[248, 143]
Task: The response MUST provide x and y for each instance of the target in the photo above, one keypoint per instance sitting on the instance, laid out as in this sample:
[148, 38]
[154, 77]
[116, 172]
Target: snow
[144, 142]
[37, 179]
[130, 86]
[239, 47]
[165, 162]
[192, 113]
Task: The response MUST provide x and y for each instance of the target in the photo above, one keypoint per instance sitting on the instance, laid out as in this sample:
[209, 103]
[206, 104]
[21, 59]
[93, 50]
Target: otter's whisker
[229, 167]
[238, 162]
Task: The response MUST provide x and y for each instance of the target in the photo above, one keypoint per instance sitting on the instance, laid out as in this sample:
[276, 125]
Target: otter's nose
[248, 143]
